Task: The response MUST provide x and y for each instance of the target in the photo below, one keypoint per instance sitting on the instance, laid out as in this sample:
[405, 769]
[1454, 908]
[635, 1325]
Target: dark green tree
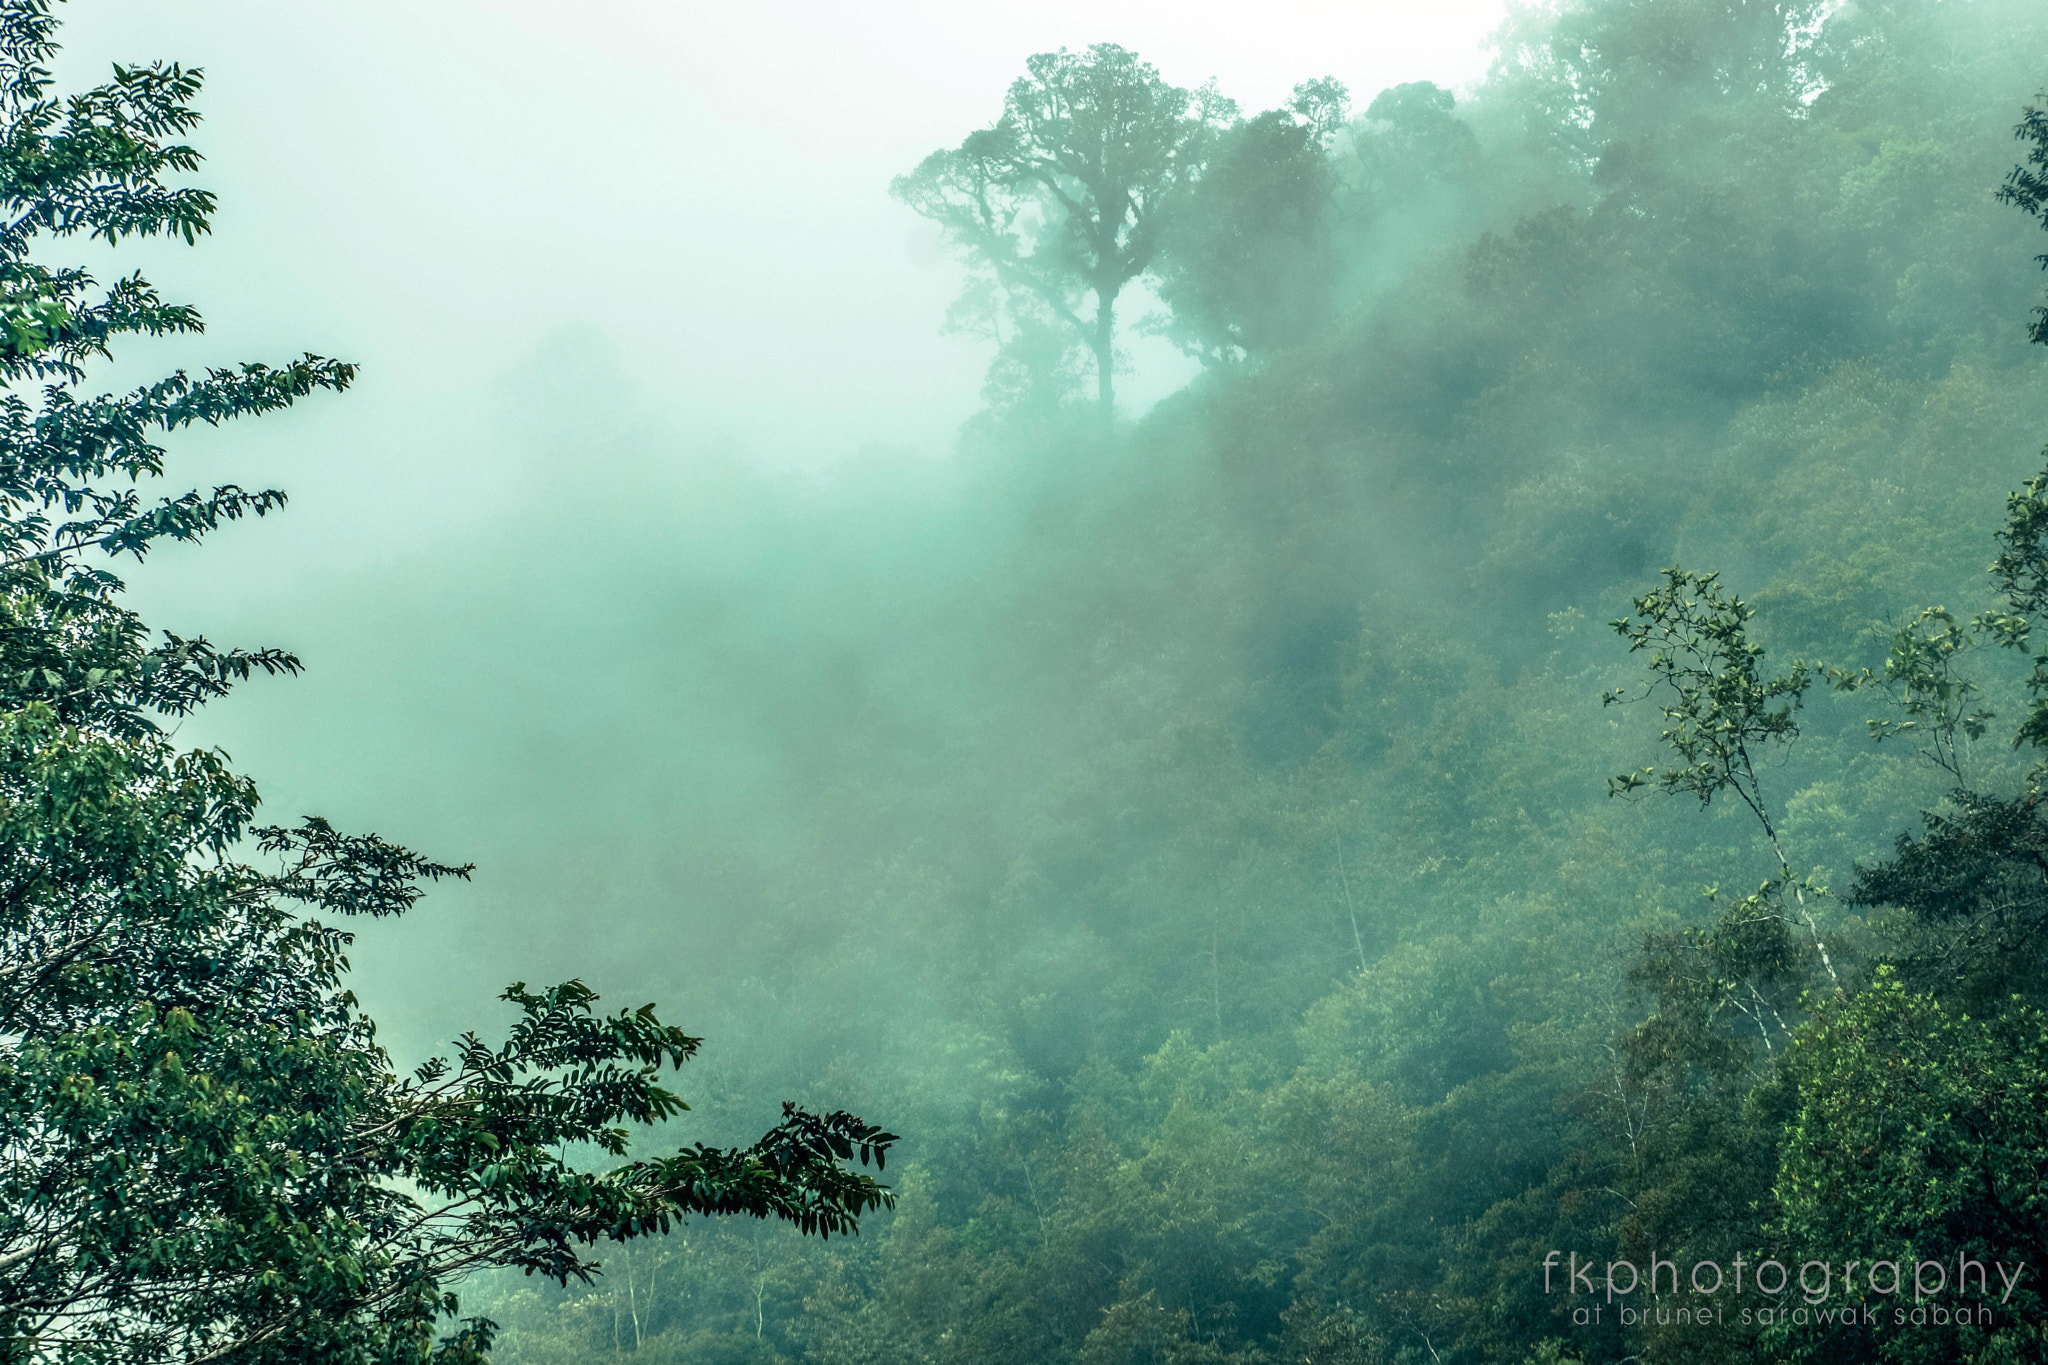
[1064, 199]
[1917, 1138]
[1248, 265]
[204, 1154]
[2027, 189]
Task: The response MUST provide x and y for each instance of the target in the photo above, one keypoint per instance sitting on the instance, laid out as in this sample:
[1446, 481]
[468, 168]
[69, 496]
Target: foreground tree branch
[204, 1154]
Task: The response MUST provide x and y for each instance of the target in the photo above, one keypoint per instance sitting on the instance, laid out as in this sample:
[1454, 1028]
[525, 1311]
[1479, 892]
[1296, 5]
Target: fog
[1191, 830]
[597, 264]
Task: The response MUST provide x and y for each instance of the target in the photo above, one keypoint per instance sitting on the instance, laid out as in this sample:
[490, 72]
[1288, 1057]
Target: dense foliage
[1202, 834]
[1245, 928]
[204, 1153]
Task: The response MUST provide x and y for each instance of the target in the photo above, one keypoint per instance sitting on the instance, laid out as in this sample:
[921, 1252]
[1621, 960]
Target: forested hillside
[1195, 834]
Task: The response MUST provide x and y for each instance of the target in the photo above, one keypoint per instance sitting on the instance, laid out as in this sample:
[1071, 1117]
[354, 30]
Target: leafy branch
[1723, 714]
[1923, 679]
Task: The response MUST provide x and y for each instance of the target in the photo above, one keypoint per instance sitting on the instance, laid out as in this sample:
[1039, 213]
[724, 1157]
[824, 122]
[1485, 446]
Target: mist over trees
[1200, 833]
[1207, 855]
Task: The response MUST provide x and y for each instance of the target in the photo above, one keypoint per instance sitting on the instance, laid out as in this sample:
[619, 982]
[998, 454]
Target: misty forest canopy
[204, 1153]
[1201, 834]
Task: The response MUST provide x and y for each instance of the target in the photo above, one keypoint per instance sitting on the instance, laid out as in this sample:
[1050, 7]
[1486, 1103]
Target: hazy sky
[464, 196]
[431, 186]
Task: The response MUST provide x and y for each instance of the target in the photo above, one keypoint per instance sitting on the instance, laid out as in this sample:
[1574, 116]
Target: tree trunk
[1104, 346]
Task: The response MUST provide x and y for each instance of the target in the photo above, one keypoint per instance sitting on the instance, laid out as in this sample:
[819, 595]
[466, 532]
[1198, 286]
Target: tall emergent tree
[204, 1154]
[1064, 197]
